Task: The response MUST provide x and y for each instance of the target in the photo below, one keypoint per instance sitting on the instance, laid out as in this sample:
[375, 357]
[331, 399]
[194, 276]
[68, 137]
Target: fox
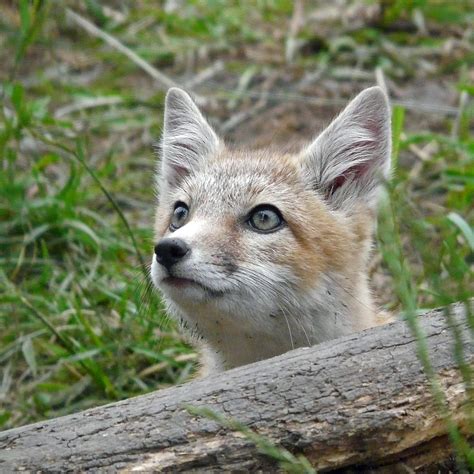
[259, 252]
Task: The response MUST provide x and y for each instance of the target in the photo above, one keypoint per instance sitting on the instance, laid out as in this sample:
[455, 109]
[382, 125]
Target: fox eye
[180, 215]
[265, 218]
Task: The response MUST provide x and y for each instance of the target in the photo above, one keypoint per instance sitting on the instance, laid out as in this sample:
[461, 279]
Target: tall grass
[79, 325]
[74, 305]
[453, 264]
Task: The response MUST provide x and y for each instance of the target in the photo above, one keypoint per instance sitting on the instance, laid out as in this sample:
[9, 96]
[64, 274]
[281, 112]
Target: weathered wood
[361, 400]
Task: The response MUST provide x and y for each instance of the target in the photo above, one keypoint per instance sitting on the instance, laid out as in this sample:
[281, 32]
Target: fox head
[258, 252]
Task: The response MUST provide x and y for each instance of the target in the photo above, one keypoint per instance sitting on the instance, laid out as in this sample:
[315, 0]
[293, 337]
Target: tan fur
[257, 295]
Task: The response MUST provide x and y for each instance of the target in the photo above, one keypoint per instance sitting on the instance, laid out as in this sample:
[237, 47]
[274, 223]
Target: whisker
[289, 328]
[333, 280]
[297, 321]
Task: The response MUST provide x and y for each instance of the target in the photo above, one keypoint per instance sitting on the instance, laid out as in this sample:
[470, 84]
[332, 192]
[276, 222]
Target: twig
[205, 74]
[140, 25]
[297, 20]
[153, 369]
[311, 77]
[87, 104]
[325, 101]
[243, 84]
[419, 21]
[237, 119]
[350, 73]
[115, 43]
[425, 107]
[380, 79]
[463, 101]
[158, 76]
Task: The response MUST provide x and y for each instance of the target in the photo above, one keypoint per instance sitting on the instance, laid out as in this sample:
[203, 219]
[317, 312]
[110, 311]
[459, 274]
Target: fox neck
[233, 337]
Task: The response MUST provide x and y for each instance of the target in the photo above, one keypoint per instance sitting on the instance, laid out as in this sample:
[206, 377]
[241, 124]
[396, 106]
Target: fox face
[259, 252]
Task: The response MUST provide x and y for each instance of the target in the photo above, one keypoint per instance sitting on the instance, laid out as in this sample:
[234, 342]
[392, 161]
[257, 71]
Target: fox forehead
[239, 180]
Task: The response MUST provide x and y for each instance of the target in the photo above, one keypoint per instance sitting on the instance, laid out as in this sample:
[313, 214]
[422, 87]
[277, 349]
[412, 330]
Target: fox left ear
[349, 160]
[187, 139]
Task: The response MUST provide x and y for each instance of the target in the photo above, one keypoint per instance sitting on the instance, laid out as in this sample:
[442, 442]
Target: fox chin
[257, 252]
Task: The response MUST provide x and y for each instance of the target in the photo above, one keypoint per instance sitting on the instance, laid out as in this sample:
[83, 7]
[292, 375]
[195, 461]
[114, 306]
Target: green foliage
[443, 271]
[79, 325]
[30, 24]
[444, 11]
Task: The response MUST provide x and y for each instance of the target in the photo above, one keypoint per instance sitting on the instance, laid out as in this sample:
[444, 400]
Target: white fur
[262, 307]
[187, 137]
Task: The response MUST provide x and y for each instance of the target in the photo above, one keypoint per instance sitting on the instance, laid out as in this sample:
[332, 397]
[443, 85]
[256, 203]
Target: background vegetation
[82, 92]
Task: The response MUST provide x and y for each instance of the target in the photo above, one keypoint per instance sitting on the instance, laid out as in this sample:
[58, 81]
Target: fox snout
[168, 252]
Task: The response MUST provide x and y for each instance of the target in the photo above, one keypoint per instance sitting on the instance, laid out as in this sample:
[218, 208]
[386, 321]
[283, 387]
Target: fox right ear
[351, 158]
[187, 138]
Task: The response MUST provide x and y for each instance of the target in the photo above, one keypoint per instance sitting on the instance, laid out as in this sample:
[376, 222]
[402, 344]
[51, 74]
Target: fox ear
[187, 137]
[348, 161]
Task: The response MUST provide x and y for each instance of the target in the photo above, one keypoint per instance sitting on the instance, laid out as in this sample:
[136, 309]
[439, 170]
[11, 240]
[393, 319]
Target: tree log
[361, 401]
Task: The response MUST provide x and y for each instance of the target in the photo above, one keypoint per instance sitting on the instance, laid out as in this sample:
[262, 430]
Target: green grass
[443, 280]
[79, 324]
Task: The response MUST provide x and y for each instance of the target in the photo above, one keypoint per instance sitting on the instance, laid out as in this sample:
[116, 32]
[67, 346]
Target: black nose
[170, 251]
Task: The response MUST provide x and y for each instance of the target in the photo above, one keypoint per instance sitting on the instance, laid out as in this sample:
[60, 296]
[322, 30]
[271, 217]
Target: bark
[359, 402]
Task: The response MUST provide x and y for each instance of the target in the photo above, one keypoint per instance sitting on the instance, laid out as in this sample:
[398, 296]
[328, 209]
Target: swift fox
[258, 252]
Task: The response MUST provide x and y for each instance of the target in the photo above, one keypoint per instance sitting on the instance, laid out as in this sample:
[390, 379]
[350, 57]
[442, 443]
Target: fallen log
[362, 401]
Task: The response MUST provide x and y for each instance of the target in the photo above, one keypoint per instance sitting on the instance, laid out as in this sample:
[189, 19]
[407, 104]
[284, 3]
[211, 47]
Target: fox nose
[170, 251]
